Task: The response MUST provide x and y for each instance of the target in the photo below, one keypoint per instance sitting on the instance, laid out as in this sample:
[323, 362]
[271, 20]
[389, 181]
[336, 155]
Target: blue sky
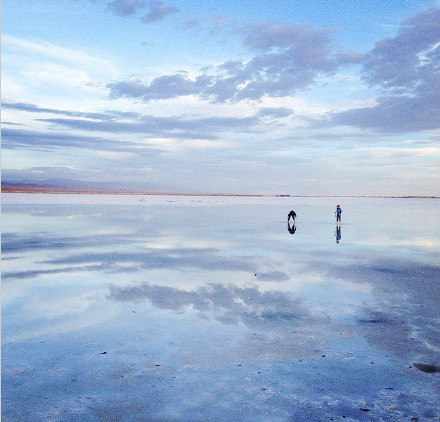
[272, 97]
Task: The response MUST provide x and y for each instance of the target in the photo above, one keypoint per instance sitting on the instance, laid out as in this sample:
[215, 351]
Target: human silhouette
[291, 228]
[293, 215]
[338, 233]
[338, 213]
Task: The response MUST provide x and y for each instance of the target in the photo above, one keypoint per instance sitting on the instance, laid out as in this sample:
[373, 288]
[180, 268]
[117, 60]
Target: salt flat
[155, 308]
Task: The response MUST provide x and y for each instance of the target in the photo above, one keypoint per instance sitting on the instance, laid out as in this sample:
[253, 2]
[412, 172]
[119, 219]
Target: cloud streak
[32, 108]
[175, 127]
[44, 141]
[115, 122]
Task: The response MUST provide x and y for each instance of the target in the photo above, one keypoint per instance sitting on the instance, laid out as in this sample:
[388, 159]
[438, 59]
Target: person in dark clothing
[338, 213]
[338, 233]
[293, 215]
[291, 229]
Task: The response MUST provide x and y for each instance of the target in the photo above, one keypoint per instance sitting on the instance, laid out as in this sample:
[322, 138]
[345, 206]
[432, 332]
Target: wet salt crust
[208, 308]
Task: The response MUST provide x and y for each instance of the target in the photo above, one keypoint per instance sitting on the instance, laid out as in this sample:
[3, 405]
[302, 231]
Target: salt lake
[171, 308]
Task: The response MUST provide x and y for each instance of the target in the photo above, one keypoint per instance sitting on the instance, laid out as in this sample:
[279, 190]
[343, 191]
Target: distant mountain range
[75, 186]
[69, 186]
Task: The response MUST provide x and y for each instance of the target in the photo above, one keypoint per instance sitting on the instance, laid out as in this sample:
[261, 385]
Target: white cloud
[399, 152]
[46, 74]
[43, 49]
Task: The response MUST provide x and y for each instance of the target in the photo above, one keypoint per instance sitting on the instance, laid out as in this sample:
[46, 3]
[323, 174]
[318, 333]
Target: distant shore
[103, 192]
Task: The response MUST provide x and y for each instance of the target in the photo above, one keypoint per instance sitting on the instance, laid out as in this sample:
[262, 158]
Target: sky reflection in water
[170, 309]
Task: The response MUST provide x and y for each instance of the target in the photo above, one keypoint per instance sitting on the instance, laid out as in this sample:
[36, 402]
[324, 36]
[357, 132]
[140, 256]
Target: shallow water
[140, 308]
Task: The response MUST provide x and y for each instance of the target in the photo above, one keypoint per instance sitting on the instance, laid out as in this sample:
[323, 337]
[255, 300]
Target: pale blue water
[208, 309]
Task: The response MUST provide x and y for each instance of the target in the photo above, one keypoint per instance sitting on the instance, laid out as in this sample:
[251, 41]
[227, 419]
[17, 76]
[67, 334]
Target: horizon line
[146, 193]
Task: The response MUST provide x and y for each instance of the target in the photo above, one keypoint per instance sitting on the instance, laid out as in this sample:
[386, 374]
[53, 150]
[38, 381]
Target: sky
[269, 97]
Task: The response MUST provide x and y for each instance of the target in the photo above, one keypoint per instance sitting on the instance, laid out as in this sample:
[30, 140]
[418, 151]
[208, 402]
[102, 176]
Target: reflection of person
[293, 215]
[338, 233]
[338, 213]
[291, 229]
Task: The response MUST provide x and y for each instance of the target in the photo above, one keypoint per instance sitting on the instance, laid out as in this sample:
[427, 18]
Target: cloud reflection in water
[202, 320]
[229, 304]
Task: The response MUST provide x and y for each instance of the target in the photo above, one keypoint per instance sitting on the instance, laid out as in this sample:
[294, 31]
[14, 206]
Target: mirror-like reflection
[338, 233]
[115, 310]
[291, 227]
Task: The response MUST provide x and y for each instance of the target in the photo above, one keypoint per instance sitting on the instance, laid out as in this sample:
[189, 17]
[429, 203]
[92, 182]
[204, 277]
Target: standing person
[338, 213]
[293, 215]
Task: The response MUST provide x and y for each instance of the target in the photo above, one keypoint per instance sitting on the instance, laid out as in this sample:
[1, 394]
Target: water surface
[139, 308]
